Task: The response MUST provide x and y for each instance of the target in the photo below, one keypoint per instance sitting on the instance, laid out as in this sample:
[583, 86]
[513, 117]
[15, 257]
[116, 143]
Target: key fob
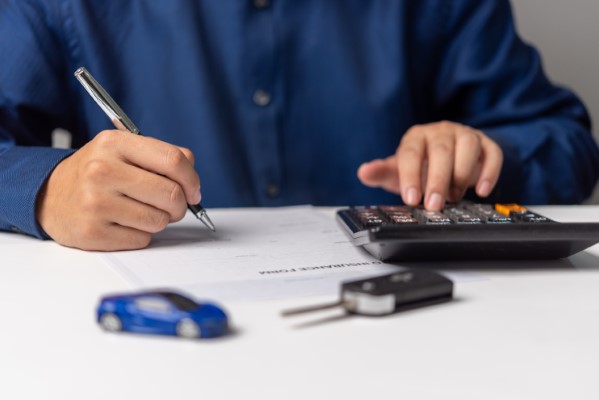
[387, 294]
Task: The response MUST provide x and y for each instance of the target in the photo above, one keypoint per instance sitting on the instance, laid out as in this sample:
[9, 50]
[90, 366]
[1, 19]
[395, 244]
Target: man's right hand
[116, 191]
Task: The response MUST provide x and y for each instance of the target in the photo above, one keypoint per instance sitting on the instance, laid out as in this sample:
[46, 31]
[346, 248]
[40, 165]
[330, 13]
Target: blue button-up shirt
[281, 101]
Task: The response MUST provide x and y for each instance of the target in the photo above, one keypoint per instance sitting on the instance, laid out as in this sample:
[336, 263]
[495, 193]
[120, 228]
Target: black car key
[388, 294]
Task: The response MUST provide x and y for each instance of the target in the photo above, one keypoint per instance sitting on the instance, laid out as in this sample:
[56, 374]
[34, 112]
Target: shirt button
[261, 3]
[261, 98]
[272, 190]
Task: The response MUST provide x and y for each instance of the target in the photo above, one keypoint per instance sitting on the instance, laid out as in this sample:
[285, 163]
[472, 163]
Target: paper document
[255, 254]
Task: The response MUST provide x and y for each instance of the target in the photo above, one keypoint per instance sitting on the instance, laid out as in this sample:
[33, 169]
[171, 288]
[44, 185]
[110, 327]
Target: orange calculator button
[506, 209]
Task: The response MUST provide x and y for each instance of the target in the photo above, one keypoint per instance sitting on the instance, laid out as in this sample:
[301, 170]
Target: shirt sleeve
[33, 101]
[491, 80]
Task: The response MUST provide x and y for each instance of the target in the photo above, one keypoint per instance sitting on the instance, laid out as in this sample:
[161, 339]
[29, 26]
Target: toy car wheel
[188, 329]
[111, 322]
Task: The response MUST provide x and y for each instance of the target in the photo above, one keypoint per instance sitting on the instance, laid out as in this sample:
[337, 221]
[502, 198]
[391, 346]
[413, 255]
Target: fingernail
[360, 168]
[412, 196]
[484, 189]
[435, 202]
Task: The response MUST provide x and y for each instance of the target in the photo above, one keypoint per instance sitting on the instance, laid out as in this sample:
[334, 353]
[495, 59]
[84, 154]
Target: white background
[567, 35]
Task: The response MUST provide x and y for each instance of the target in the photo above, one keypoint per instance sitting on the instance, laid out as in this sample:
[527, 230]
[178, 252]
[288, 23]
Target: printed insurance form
[260, 253]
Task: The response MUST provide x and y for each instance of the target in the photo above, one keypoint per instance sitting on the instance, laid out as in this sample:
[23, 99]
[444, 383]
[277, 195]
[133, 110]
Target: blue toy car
[161, 312]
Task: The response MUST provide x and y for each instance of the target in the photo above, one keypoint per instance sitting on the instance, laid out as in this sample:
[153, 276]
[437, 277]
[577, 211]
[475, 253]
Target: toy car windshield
[181, 302]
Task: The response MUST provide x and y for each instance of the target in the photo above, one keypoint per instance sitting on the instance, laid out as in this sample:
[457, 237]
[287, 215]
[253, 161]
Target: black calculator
[463, 231]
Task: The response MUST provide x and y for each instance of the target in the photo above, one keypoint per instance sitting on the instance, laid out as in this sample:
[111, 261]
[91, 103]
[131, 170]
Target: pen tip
[206, 220]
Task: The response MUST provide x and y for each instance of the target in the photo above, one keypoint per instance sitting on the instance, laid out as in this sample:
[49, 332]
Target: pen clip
[118, 117]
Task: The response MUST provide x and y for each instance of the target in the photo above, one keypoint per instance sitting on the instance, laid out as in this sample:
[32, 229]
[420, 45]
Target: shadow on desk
[341, 316]
[580, 261]
[188, 235]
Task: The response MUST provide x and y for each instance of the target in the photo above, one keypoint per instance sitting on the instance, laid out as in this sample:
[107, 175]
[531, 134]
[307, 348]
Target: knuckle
[174, 158]
[96, 169]
[187, 153]
[141, 240]
[106, 138]
[90, 203]
[178, 213]
[493, 151]
[445, 125]
[176, 195]
[470, 138]
[413, 131]
[441, 147]
[178, 203]
[408, 151]
[90, 232]
[437, 182]
[156, 221]
[499, 157]
[497, 150]
[144, 240]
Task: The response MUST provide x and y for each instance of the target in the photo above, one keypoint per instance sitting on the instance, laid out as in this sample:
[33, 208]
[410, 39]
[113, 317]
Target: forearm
[547, 161]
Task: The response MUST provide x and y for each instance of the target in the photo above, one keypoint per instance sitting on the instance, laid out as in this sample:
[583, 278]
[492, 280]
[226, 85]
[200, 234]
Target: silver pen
[122, 122]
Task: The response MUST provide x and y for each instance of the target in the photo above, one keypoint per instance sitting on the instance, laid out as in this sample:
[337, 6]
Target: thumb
[381, 173]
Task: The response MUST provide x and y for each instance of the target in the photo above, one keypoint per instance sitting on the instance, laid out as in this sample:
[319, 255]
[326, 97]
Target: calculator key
[400, 214]
[499, 219]
[462, 216]
[373, 221]
[367, 211]
[403, 219]
[434, 217]
[369, 217]
[530, 217]
[488, 214]
[508, 209]
[396, 209]
[521, 214]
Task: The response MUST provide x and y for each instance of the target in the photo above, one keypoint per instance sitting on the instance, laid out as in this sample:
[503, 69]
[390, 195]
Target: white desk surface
[528, 331]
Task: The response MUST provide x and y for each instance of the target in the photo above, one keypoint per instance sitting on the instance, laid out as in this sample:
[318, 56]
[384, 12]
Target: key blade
[303, 310]
[323, 321]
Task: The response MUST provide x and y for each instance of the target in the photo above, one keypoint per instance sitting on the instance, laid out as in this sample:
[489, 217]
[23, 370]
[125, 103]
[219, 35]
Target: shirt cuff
[23, 171]
[518, 147]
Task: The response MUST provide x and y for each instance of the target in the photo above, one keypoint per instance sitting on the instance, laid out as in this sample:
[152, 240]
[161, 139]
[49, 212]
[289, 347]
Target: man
[281, 102]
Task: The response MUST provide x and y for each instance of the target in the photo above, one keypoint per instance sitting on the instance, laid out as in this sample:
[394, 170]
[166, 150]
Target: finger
[440, 149]
[380, 173]
[467, 157]
[113, 237]
[146, 187]
[156, 156]
[411, 156]
[492, 160]
[188, 154]
[130, 213]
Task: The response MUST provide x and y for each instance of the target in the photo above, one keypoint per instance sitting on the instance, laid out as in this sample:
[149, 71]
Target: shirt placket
[264, 103]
